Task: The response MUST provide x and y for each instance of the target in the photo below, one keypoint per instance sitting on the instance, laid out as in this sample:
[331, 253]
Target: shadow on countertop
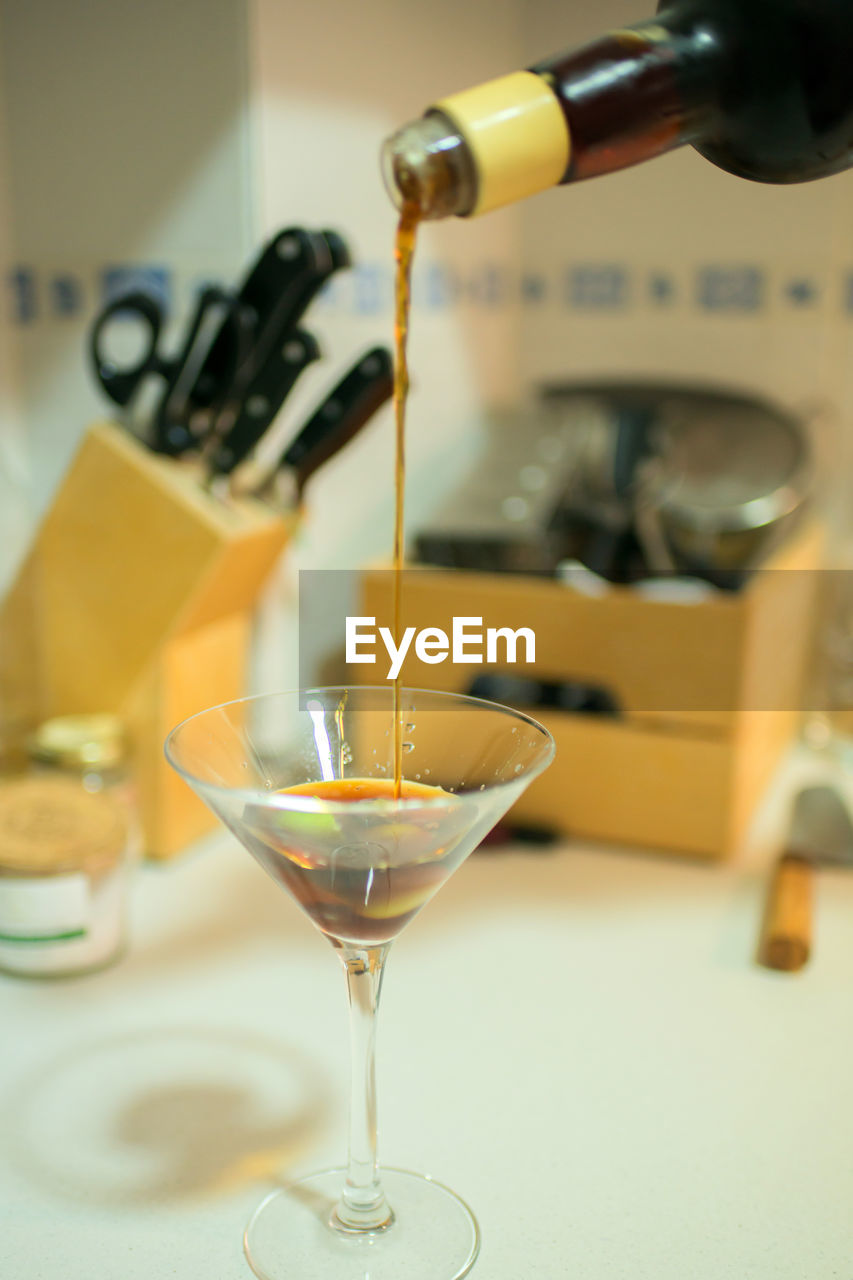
[164, 1116]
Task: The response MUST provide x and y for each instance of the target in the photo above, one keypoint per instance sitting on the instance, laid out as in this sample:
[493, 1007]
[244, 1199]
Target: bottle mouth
[389, 160]
[421, 167]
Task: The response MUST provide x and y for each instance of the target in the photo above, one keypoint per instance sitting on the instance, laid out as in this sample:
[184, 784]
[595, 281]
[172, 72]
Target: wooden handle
[787, 929]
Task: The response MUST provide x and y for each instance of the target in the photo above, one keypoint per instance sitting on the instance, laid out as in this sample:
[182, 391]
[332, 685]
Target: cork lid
[52, 825]
[75, 742]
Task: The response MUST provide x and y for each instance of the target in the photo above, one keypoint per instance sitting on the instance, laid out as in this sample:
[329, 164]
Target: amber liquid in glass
[360, 877]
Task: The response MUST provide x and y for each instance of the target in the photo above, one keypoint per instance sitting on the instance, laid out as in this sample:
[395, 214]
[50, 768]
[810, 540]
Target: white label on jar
[47, 909]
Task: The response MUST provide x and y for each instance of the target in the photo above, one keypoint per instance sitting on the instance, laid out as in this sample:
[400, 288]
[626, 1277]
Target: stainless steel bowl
[721, 475]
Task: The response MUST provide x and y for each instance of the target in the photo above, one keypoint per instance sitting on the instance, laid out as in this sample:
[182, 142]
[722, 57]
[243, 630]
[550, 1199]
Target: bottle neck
[625, 98]
[638, 92]
[428, 168]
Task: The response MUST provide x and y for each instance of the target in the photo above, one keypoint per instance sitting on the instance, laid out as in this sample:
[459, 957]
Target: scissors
[241, 355]
[176, 425]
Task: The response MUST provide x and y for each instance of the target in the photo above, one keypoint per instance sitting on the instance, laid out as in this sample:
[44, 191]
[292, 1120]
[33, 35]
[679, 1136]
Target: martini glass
[361, 864]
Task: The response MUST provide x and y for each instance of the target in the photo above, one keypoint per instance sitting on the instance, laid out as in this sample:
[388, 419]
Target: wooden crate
[710, 693]
[136, 597]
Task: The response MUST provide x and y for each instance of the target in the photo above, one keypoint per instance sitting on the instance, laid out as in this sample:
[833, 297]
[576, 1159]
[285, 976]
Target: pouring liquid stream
[404, 247]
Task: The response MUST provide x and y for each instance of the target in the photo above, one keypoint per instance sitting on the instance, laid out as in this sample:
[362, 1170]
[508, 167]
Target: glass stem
[362, 1206]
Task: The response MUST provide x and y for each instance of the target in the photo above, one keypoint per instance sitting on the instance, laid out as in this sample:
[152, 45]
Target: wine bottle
[762, 88]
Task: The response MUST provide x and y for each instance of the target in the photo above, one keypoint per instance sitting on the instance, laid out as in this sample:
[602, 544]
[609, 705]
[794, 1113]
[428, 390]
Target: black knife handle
[262, 399]
[277, 291]
[338, 250]
[363, 390]
[292, 271]
[281, 262]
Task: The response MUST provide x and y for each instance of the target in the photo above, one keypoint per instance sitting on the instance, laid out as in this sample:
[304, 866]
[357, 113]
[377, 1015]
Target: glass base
[434, 1235]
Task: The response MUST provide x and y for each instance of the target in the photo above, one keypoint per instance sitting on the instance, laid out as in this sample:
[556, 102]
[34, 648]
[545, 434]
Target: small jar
[90, 748]
[63, 869]
[92, 751]
[67, 837]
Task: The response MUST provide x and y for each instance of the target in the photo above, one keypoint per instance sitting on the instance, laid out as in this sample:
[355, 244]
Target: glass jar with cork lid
[90, 748]
[66, 840]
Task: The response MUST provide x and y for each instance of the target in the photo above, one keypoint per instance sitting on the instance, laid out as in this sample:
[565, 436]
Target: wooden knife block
[711, 694]
[136, 597]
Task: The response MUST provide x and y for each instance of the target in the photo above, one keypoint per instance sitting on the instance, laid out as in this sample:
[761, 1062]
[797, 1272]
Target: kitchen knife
[178, 423]
[821, 831]
[260, 402]
[355, 399]
[286, 278]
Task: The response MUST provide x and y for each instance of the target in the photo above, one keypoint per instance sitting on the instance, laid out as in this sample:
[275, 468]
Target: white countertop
[575, 1040]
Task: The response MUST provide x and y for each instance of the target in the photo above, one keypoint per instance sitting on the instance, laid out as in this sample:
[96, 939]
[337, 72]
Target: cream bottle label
[517, 135]
[44, 910]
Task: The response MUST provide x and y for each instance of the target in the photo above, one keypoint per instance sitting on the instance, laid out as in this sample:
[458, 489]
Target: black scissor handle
[120, 382]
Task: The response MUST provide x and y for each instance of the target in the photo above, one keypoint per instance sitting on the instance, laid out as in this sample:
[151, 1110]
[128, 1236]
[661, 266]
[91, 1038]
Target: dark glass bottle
[763, 88]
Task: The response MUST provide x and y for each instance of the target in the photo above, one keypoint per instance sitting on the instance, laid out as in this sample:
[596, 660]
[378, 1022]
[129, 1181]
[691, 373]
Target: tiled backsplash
[46, 295]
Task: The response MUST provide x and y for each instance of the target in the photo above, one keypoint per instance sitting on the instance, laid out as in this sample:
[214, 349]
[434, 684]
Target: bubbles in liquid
[417, 777]
[426, 773]
[245, 764]
[267, 784]
[410, 728]
[346, 753]
[517, 769]
[408, 746]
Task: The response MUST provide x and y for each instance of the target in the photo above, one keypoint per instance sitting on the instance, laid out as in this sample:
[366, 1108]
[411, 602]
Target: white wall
[127, 144]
